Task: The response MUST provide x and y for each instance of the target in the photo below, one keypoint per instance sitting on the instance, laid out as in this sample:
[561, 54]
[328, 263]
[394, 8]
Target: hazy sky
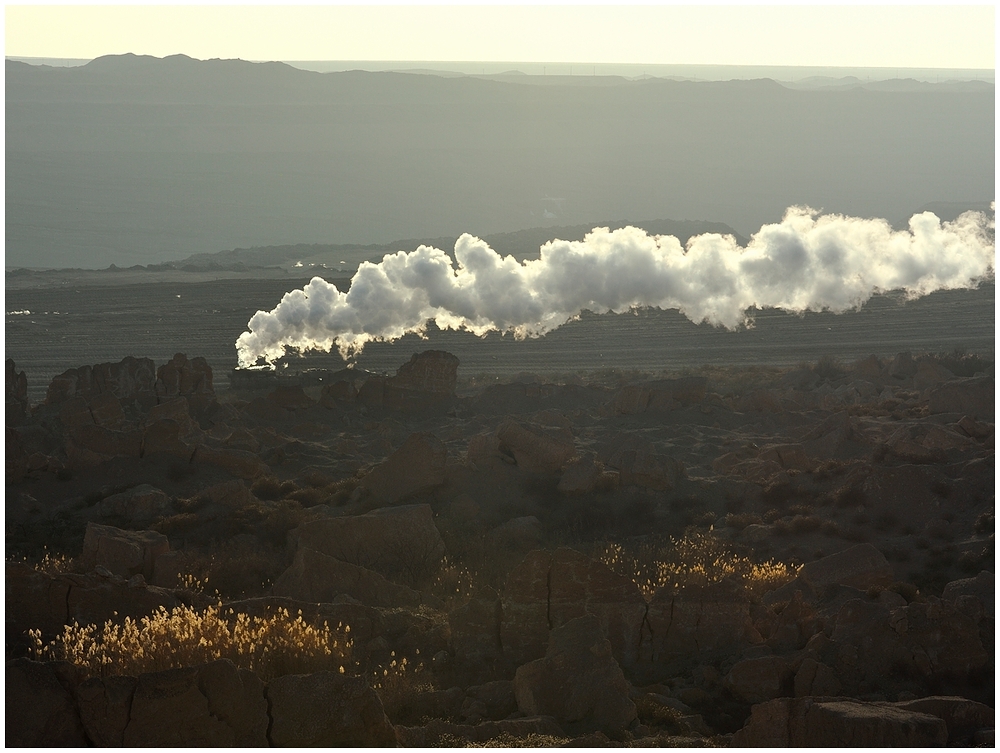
[919, 36]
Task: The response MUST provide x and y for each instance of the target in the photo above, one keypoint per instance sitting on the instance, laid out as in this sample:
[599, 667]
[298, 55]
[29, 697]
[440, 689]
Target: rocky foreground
[755, 557]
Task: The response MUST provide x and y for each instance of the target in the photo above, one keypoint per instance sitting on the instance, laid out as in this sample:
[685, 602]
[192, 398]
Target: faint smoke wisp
[807, 262]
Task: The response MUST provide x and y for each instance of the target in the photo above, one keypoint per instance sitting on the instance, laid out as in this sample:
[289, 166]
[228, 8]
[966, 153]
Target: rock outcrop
[418, 465]
[578, 681]
[132, 380]
[327, 709]
[39, 706]
[315, 577]
[427, 379]
[124, 553]
[15, 394]
[549, 589]
[838, 722]
[401, 543]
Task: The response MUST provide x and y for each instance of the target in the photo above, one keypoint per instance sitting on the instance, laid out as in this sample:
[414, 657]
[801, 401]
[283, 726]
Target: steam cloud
[807, 262]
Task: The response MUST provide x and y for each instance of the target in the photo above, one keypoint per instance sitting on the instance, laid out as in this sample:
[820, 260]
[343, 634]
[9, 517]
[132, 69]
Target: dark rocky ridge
[878, 475]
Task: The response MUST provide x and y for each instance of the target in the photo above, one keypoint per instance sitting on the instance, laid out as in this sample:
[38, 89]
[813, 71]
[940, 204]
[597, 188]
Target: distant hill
[139, 160]
[521, 244]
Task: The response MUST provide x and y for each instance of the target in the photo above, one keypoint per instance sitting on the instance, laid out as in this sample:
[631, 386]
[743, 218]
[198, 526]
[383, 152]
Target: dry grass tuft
[504, 740]
[271, 646]
[50, 564]
[398, 683]
[696, 560]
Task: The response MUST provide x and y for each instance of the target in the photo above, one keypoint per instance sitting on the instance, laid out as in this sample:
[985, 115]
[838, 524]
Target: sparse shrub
[269, 646]
[315, 479]
[308, 497]
[177, 524]
[454, 583]
[398, 683]
[830, 528]
[985, 523]
[240, 568]
[849, 495]
[907, 590]
[963, 364]
[49, 563]
[802, 524]
[828, 368]
[340, 492]
[706, 518]
[503, 740]
[267, 488]
[697, 559]
[274, 527]
[828, 469]
[652, 713]
[800, 510]
[772, 515]
[741, 520]
[778, 493]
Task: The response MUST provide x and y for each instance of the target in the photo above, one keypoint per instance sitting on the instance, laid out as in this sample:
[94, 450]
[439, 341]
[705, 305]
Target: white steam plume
[804, 263]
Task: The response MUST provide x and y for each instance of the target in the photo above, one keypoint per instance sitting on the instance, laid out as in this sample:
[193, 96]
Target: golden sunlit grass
[50, 564]
[270, 646]
[696, 560]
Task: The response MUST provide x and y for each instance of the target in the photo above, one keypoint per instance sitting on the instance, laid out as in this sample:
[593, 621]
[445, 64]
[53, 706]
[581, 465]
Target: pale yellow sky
[918, 36]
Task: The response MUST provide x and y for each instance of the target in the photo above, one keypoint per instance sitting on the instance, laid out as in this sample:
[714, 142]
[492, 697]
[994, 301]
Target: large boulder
[699, 621]
[877, 646]
[138, 506]
[124, 553]
[38, 700]
[534, 448]
[760, 679]
[981, 588]
[578, 681]
[974, 397]
[418, 465]
[105, 704]
[238, 463]
[585, 474]
[401, 543]
[474, 635]
[425, 380]
[830, 723]
[963, 717]
[662, 394]
[325, 709]
[549, 589]
[316, 577]
[861, 566]
[212, 705]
